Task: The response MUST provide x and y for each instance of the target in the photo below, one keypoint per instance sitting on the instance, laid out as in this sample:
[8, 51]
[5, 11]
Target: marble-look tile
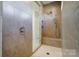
[44, 50]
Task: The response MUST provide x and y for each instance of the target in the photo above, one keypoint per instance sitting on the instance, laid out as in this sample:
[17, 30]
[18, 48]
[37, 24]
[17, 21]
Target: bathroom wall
[0, 28]
[52, 25]
[51, 32]
[70, 28]
[17, 28]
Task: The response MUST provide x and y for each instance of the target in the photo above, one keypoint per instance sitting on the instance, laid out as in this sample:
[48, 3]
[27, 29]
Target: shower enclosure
[20, 27]
[51, 27]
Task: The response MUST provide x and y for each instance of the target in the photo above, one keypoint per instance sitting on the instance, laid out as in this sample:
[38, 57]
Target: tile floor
[48, 51]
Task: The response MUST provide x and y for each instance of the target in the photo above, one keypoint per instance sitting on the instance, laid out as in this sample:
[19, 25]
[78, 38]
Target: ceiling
[46, 2]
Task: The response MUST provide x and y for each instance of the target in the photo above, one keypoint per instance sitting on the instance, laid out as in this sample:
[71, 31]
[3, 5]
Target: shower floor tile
[48, 51]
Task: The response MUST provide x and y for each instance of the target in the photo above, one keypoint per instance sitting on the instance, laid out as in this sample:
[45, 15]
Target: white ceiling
[46, 2]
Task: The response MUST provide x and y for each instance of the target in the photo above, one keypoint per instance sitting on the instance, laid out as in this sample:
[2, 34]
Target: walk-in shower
[38, 28]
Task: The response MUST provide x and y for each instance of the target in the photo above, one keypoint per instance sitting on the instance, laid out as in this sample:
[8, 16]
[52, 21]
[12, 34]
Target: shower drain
[48, 53]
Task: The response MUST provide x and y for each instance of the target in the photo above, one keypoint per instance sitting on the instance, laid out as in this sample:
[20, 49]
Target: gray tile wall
[70, 28]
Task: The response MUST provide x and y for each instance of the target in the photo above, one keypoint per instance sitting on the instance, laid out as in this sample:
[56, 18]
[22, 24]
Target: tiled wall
[52, 42]
[52, 25]
[51, 33]
[70, 28]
